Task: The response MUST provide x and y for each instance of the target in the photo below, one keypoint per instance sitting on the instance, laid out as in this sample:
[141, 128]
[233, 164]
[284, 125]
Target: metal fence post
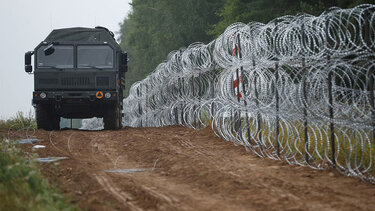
[199, 99]
[259, 117]
[212, 94]
[231, 113]
[243, 89]
[238, 96]
[330, 99]
[332, 125]
[193, 94]
[304, 77]
[140, 107]
[146, 103]
[277, 96]
[237, 114]
[372, 100]
[182, 81]
[277, 109]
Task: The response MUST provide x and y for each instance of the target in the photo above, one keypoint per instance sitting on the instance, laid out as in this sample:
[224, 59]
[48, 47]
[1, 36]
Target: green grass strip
[22, 186]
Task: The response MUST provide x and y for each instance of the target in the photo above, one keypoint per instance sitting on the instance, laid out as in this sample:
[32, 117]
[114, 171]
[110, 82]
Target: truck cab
[78, 73]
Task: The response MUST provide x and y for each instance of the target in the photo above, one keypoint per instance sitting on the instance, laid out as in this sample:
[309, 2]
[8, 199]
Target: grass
[18, 122]
[354, 149]
[22, 186]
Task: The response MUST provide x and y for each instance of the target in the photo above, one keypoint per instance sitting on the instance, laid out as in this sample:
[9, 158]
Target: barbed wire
[299, 88]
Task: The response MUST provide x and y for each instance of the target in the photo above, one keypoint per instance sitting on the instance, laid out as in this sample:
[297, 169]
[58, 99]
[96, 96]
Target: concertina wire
[299, 89]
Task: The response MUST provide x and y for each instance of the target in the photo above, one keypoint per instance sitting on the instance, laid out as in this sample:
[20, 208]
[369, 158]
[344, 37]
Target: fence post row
[280, 97]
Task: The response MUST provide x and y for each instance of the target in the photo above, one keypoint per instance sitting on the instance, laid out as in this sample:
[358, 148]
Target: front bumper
[73, 97]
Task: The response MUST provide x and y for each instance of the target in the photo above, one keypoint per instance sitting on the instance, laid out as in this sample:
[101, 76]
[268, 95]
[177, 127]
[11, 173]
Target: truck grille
[102, 81]
[75, 81]
[48, 81]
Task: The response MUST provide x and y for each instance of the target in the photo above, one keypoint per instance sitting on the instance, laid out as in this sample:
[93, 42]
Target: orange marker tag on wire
[99, 95]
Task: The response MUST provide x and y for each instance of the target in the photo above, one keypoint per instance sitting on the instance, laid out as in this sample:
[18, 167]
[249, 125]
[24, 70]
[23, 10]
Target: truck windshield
[94, 56]
[62, 57]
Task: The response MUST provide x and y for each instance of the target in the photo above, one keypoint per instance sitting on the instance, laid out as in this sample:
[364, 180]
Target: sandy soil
[194, 170]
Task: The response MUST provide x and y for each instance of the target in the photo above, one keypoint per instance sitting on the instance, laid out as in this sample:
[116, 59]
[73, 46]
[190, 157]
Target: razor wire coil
[299, 88]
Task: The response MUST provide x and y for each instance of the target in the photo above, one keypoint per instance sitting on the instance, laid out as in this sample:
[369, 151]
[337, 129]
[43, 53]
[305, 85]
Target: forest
[156, 27]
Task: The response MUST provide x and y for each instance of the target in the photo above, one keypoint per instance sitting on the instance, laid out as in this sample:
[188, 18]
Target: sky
[25, 23]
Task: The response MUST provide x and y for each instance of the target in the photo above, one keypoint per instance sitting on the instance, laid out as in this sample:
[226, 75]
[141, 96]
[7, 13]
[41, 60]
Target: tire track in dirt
[116, 192]
[195, 171]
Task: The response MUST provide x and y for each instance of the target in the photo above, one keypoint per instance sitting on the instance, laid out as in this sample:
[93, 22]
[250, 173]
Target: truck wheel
[55, 122]
[46, 119]
[111, 119]
[120, 118]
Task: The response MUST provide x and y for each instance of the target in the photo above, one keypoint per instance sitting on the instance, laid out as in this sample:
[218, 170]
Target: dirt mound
[177, 168]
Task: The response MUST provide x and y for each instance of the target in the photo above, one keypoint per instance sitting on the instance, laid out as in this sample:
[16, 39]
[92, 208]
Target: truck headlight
[107, 95]
[43, 95]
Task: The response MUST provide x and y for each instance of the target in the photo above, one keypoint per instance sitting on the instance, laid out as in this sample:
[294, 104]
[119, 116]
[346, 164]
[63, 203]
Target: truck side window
[62, 57]
[100, 56]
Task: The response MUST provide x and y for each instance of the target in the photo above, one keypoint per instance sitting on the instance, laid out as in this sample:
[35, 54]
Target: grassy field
[22, 186]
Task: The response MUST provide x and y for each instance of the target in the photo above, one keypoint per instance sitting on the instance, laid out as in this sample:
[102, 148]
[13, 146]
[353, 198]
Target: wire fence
[299, 88]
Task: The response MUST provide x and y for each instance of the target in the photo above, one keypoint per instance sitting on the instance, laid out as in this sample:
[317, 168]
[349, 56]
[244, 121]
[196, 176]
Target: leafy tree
[156, 27]
[266, 10]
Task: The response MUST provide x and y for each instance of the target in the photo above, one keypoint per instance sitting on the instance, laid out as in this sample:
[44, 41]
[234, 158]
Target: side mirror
[49, 50]
[28, 66]
[124, 62]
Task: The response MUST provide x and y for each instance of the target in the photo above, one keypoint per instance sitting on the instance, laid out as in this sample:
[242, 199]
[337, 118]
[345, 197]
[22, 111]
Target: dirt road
[187, 170]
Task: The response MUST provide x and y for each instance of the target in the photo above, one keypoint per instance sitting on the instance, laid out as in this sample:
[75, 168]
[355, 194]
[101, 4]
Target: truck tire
[120, 117]
[55, 121]
[46, 118]
[112, 118]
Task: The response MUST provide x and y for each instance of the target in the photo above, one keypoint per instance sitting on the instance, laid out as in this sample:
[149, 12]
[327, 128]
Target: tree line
[156, 27]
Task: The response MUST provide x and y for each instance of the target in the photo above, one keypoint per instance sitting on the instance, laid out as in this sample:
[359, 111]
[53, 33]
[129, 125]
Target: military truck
[78, 73]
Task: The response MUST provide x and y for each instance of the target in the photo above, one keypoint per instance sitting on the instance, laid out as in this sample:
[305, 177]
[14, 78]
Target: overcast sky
[25, 23]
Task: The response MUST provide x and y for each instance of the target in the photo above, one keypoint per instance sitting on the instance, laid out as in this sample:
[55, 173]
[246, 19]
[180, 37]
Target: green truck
[78, 73]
